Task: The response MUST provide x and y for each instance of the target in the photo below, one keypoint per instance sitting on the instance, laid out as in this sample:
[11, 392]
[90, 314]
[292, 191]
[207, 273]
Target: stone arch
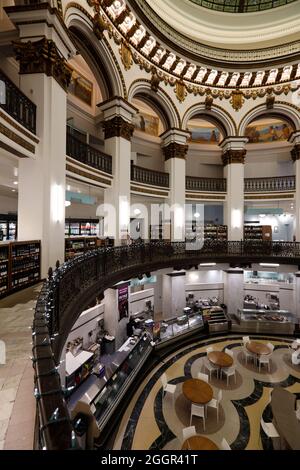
[282, 110]
[216, 114]
[159, 100]
[96, 53]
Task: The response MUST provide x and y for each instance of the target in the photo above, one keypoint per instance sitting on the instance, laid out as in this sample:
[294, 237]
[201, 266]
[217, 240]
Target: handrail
[147, 176]
[195, 183]
[274, 183]
[84, 153]
[17, 105]
[69, 289]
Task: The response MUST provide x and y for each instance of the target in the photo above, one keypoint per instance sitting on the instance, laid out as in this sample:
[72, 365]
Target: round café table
[220, 359]
[260, 349]
[197, 391]
[199, 443]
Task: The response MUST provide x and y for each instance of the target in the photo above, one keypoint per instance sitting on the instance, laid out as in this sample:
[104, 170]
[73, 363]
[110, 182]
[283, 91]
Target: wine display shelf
[20, 265]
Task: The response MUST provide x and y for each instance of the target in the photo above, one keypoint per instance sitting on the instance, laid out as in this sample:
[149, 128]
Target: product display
[262, 321]
[258, 232]
[8, 227]
[19, 265]
[82, 227]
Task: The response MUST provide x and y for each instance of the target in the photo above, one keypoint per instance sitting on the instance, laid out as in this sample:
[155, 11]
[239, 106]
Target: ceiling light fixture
[208, 264]
[15, 182]
[269, 265]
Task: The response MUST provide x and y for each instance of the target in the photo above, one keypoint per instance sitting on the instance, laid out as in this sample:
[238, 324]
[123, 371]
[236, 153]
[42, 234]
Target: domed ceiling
[241, 6]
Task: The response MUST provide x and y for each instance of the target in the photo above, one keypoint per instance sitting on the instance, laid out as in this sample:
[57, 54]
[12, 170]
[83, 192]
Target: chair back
[188, 432]
[164, 380]
[225, 445]
[197, 410]
[246, 339]
[219, 396]
[271, 346]
[264, 426]
[209, 349]
[229, 352]
[202, 376]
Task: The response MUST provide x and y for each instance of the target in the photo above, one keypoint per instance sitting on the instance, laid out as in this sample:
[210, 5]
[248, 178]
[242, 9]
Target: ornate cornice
[233, 156]
[295, 153]
[43, 57]
[118, 127]
[175, 150]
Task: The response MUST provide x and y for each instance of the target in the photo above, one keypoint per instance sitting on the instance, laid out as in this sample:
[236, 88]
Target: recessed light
[13, 190]
[137, 211]
[15, 182]
[196, 215]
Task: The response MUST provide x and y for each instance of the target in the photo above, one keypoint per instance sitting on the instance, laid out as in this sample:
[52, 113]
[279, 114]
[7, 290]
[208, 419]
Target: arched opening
[205, 130]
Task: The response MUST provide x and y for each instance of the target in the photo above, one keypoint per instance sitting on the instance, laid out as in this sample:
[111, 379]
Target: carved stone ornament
[180, 90]
[118, 127]
[295, 153]
[126, 56]
[43, 57]
[233, 156]
[99, 26]
[174, 150]
[208, 102]
[237, 99]
[270, 101]
[155, 81]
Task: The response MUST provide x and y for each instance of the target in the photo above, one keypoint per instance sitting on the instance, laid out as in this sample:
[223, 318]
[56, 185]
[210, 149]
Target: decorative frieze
[43, 57]
[118, 127]
[175, 150]
[233, 156]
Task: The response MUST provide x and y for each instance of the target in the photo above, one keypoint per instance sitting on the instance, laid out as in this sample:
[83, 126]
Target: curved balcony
[88, 155]
[152, 177]
[17, 105]
[279, 183]
[68, 292]
[194, 183]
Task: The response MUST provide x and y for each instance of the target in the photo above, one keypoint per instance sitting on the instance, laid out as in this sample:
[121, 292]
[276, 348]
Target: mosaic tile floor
[156, 422]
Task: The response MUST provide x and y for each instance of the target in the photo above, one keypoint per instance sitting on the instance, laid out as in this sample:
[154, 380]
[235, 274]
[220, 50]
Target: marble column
[233, 158]
[42, 51]
[297, 295]
[295, 153]
[174, 145]
[173, 295]
[118, 130]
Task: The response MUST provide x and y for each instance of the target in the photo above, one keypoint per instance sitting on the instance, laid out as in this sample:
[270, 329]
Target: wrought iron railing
[69, 290]
[146, 176]
[17, 105]
[278, 183]
[194, 183]
[84, 153]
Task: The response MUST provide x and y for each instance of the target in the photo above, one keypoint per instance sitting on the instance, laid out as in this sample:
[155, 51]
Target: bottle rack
[215, 232]
[81, 227]
[20, 265]
[258, 232]
[76, 246]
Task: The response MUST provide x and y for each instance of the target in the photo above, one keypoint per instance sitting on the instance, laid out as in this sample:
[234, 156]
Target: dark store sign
[123, 301]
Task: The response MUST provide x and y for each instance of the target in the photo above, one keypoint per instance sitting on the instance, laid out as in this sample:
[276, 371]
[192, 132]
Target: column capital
[174, 143]
[43, 57]
[294, 139]
[117, 115]
[233, 149]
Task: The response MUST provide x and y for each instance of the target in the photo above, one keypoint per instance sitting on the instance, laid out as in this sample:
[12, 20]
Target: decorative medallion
[180, 91]
[237, 99]
[126, 56]
[155, 80]
[99, 26]
[270, 101]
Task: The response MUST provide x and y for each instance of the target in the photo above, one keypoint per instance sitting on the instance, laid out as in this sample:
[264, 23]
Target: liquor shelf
[20, 265]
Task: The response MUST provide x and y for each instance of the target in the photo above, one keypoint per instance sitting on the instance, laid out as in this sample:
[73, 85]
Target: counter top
[74, 362]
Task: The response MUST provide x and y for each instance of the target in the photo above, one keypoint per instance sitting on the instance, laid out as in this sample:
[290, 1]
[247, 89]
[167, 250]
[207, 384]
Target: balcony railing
[146, 176]
[69, 290]
[17, 105]
[88, 155]
[280, 183]
[194, 183]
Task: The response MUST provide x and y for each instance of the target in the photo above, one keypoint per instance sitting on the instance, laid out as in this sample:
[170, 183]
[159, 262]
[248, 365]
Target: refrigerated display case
[8, 227]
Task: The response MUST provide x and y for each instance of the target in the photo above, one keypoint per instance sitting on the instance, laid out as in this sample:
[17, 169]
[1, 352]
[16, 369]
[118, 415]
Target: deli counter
[266, 321]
